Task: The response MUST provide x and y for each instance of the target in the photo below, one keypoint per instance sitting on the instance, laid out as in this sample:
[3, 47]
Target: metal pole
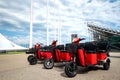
[47, 22]
[60, 26]
[55, 22]
[31, 25]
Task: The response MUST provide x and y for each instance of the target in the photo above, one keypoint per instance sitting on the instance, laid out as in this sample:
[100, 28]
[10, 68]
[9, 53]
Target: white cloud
[19, 39]
[70, 14]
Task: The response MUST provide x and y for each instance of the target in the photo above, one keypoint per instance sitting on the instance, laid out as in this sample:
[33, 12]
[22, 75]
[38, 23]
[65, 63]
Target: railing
[105, 30]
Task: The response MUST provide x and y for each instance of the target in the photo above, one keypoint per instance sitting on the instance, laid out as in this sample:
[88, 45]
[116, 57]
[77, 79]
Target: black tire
[106, 65]
[71, 69]
[48, 63]
[30, 56]
[33, 60]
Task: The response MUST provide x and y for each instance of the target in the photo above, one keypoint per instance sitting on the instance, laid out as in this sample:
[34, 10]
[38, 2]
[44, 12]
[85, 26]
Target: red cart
[58, 54]
[88, 54]
[39, 53]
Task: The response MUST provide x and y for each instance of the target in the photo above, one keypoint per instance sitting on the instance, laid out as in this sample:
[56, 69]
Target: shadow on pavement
[115, 56]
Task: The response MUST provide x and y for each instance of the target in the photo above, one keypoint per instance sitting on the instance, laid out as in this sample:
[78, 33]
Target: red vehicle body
[38, 53]
[57, 54]
[89, 54]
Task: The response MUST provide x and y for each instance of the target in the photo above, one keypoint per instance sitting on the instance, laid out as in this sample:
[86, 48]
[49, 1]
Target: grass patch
[13, 52]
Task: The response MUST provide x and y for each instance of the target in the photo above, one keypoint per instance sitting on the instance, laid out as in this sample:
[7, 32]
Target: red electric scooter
[58, 54]
[39, 53]
[88, 54]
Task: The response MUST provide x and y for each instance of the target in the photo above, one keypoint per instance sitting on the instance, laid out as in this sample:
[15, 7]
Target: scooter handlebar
[82, 39]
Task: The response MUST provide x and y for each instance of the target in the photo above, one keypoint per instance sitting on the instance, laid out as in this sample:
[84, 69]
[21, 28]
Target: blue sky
[70, 15]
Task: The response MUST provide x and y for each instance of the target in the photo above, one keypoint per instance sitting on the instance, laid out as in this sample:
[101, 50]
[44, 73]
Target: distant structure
[6, 44]
[99, 32]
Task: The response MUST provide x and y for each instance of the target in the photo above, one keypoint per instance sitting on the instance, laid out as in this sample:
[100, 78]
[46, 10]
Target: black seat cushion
[103, 46]
[90, 47]
[60, 47]
[81, 45]
[69, 47]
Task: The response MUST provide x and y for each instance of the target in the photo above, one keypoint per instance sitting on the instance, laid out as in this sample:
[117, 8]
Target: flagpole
[47, 22]
[31, 25]
[55, 22]
[60, 26]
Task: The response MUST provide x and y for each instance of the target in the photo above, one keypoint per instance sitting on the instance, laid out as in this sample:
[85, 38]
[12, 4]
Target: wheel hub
[48, 63]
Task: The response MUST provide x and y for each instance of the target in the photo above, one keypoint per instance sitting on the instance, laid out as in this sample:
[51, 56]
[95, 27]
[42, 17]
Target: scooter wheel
[48, 63]
[71, 69]
[29, 57]
[33, 60]
[106, 65]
